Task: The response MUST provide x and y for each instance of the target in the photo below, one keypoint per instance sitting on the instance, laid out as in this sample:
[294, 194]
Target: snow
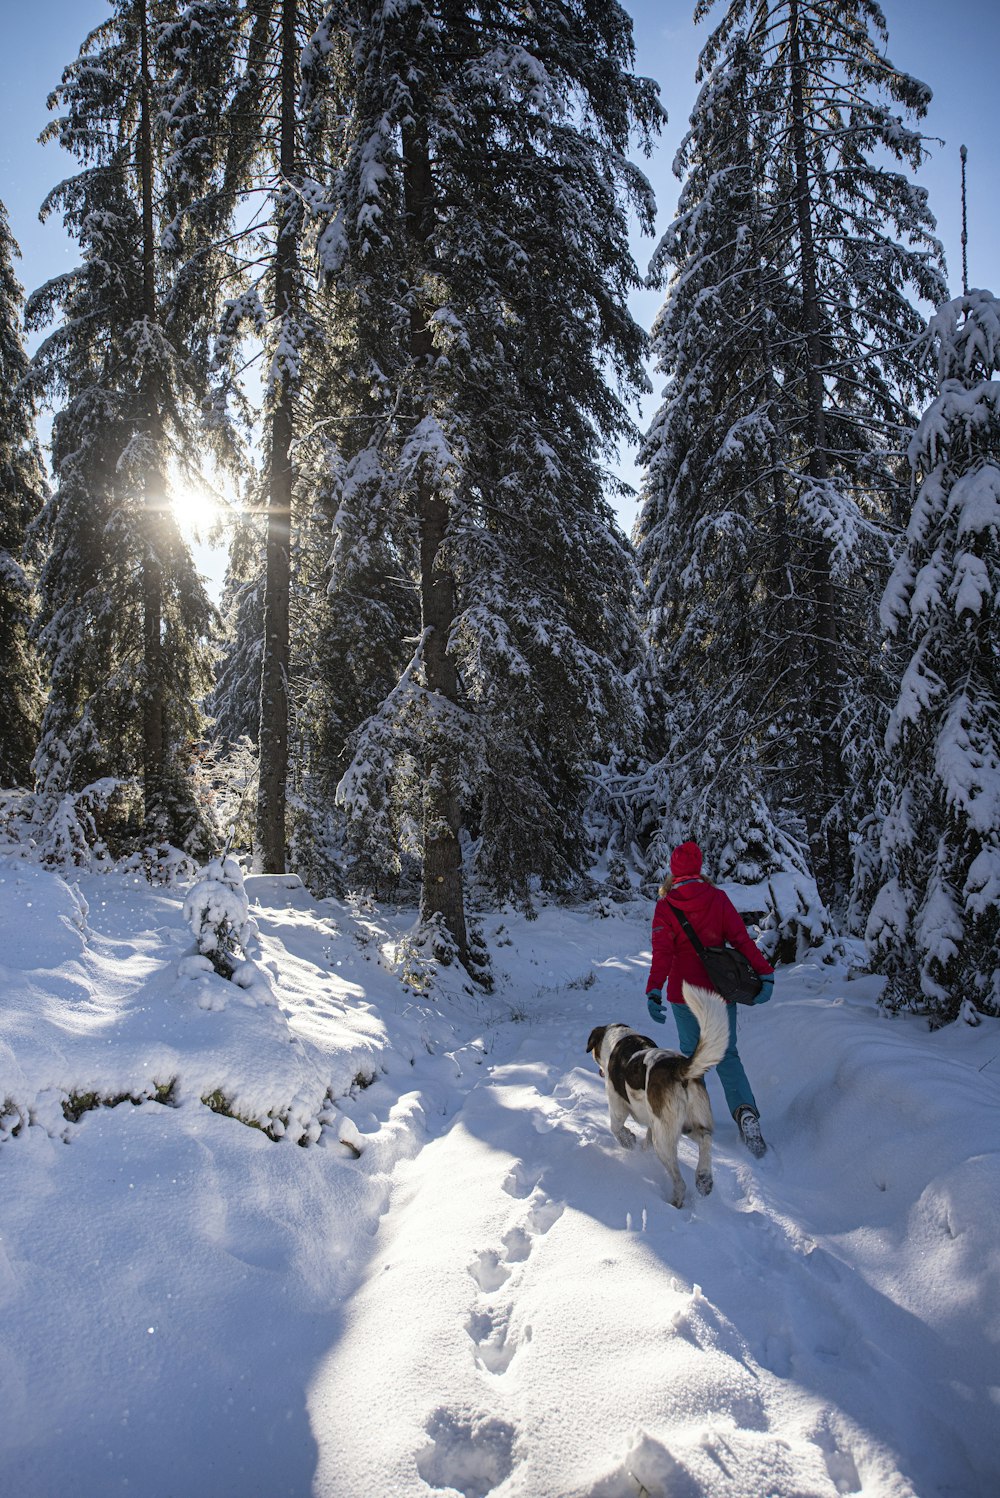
[460, 1284]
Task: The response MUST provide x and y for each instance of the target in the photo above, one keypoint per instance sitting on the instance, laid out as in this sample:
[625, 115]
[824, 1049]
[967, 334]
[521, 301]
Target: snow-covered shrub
[161, 863]
[218, 912]
[71, 830]
[430, 946]
[232, 770]
[797, 922]
[16, 832]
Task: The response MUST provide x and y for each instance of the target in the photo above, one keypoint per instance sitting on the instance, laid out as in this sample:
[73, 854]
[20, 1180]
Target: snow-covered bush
[162, 863]
[218, 912]
[16, 832]
[429, 946]
[70, 829]
[934, 927]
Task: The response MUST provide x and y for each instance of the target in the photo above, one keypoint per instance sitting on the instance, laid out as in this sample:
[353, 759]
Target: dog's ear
[596, 1036]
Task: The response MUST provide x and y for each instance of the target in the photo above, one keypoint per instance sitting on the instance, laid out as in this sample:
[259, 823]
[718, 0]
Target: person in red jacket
[715, 920]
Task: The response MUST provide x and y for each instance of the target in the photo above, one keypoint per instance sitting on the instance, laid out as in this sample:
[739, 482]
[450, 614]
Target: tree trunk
[154, 487]
[828, 853]
[272, 787]
[779, 575]
[441, 889]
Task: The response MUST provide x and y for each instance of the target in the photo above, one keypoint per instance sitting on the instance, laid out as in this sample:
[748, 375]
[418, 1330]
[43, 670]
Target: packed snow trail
[477, 1292]
[537, 1320]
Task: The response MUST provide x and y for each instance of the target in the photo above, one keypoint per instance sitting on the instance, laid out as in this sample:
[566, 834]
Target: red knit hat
[685, 861]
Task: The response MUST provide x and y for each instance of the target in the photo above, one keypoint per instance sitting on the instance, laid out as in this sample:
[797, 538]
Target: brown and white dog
[662, 1090]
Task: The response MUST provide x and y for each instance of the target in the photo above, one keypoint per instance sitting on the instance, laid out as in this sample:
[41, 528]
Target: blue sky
[952, 47]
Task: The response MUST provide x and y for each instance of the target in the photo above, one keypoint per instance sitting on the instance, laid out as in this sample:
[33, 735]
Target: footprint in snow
[488, 1272]
[543, 1215]
[490, 1268]
[837, 1455]
[520, 1181]
[494, 1342]
[470, 1453]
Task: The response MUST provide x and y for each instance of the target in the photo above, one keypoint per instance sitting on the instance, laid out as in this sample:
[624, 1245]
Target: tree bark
[272, 786]
[154, 484]
[828, 853]
[441, 888]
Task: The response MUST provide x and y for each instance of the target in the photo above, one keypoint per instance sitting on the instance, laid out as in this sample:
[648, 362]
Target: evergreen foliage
[238, 187]
[22, 492]
[934, 927]
[476, 248]
[123, 614]
[773, 466]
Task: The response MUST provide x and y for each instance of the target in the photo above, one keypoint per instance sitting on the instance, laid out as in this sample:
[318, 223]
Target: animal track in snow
[490, 1269]
[489, 1326]
[487, 1270]
[837, 1455]
[495, 1344]
[471, 1453]
[517, 1245]
[520, 1181]
[543, 1215]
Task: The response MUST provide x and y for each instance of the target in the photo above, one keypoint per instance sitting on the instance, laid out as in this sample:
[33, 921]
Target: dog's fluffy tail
[713, 1020]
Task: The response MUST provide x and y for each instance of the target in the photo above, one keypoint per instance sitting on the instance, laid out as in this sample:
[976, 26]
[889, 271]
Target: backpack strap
[689, 930]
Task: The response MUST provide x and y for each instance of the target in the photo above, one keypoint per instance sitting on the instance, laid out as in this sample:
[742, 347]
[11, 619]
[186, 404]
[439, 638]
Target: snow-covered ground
[460, 1284]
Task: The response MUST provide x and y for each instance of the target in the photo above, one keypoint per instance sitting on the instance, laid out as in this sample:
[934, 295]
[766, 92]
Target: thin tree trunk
[827, 853]
[272, 788]
[780, 575]
[154, 485]
[441, 888]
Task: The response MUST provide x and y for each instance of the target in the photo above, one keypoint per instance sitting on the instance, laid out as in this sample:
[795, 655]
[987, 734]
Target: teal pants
[730, 1068]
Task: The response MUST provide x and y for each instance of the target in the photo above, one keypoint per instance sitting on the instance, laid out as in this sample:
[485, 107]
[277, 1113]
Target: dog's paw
[677, 1199]
[625, 1138]
[703, 1182]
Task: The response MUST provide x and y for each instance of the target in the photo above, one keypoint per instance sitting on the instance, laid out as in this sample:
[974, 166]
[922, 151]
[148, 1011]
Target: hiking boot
[749, 1126]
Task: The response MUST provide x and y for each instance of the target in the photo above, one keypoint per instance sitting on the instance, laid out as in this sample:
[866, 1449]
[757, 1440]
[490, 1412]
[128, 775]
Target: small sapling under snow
[218, 912]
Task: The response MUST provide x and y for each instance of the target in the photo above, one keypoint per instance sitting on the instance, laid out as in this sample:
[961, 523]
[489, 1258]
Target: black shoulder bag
[729, 971]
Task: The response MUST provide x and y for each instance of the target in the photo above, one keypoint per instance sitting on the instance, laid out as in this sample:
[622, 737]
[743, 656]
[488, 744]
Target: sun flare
[195, 509]
[201, 500]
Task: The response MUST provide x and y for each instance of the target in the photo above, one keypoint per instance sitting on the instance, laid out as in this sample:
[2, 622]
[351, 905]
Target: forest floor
[460, 1284]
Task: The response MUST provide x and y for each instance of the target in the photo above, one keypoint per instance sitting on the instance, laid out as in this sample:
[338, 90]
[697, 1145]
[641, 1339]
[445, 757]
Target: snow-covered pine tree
[773, 465]
[934, 928]
[123, 614]
[351, 645]
[22, 492]
[237, 184]
[477, 252]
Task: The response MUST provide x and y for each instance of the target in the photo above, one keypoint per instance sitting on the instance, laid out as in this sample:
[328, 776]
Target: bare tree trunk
[154, 485]
[441, 888]
[272, 788]
[828, 855]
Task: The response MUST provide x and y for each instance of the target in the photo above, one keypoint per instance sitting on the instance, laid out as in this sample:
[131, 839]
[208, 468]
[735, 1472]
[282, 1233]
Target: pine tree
[773, 466]
[123, 613]
[237, 186]
[935, 925]
[477, 253]
[22, 491]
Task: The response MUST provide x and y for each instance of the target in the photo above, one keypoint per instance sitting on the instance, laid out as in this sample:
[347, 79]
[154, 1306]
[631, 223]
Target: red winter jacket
[714, 918]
